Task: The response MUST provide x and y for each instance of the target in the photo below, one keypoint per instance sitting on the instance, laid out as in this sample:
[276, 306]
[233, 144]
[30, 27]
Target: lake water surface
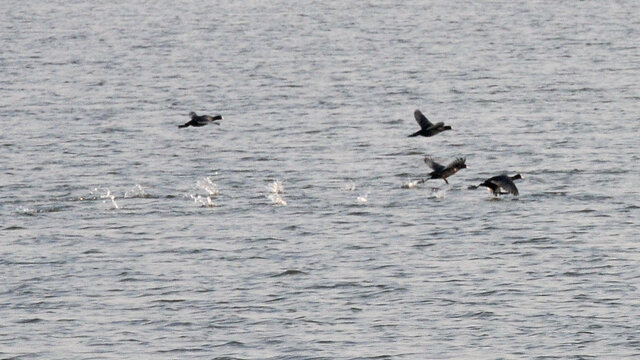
[295, 229]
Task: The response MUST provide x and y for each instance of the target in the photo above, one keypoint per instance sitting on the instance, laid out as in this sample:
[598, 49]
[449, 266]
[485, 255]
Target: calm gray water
[294, 230]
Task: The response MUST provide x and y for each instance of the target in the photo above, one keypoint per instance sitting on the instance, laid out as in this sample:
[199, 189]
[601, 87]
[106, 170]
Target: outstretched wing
[436, 125]
[210, 118]
[422, 120]
[506, 183]
[457, 163]
[432, 164]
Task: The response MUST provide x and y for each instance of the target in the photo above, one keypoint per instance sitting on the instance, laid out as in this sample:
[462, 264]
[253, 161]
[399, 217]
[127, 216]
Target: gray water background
[293, 230]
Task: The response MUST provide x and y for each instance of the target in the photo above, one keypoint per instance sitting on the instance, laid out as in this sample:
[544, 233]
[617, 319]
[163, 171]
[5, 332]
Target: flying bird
[426, 127]
[201, 120]
[443, 172]
[504, 182]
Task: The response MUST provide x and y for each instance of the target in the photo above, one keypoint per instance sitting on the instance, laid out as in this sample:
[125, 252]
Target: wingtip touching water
[501, 184]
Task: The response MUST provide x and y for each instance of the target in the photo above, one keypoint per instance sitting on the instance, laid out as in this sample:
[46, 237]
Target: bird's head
[461, 163]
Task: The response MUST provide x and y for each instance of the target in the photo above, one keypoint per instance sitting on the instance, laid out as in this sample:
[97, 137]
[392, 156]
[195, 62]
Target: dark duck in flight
[201, 120]
[426, 127]
[501, 182]
[443, 172]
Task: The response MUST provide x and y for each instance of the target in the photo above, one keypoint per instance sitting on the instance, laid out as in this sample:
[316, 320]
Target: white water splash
[209, 186]
[136, 192]
[438, 193]
[26, 210]
[349, 187]
[362, 199]
[276, 199]
[202, 201]
[276, 190]
[276, 187]
[412, 184]
[106, 194]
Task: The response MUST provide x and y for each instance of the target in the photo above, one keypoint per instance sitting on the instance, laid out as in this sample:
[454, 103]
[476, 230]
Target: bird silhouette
[504, 182]
[201, 120]
[426, 127]
[443, 172]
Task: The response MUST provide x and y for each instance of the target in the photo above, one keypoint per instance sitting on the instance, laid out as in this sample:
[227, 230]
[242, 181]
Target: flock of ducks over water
[498, 185]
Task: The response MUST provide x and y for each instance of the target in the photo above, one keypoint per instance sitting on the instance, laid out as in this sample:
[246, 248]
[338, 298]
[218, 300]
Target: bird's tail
[473, 187]
[183, 126]
[414, 134]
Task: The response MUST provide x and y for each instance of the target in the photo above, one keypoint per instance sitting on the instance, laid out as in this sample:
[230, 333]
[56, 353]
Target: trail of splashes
[276, 190]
